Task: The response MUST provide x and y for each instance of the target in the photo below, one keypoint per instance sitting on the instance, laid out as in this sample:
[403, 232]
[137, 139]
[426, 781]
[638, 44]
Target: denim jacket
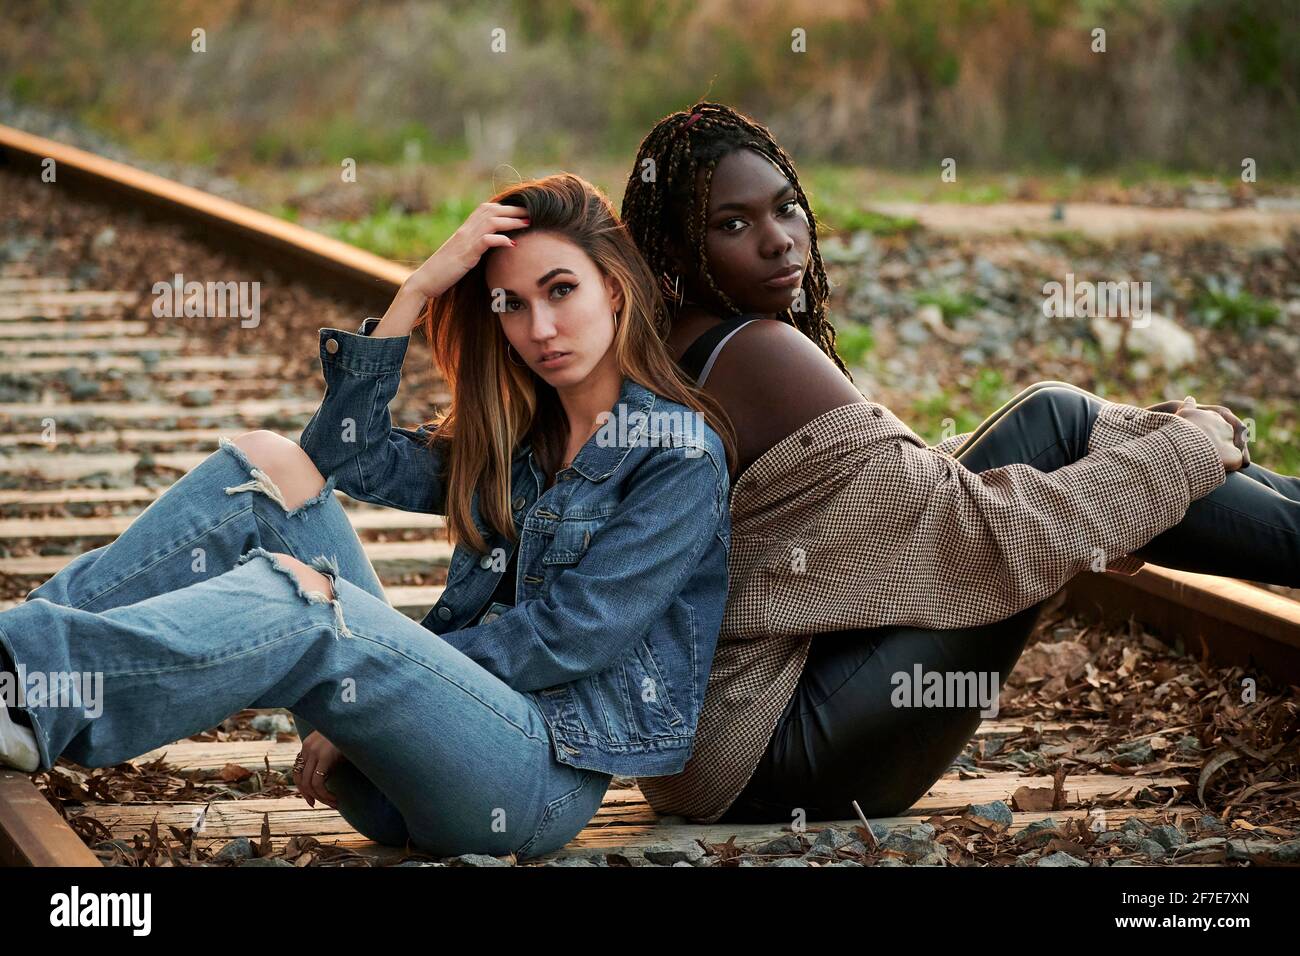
[622, 562]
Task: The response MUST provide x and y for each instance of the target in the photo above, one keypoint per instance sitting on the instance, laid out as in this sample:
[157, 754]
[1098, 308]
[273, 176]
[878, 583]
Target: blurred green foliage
[952, 304]
[895, 83]
[853, 342]
[1220, 305]
[393, 232]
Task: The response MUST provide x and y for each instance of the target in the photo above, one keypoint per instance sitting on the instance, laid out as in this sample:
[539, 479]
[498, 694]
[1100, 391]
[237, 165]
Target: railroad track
[117, 450]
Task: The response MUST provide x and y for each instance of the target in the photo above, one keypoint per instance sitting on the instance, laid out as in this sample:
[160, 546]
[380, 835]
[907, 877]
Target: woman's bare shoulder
[771, 379]
[780, 363]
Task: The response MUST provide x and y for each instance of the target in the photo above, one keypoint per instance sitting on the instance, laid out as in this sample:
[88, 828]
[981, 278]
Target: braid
[678, 147]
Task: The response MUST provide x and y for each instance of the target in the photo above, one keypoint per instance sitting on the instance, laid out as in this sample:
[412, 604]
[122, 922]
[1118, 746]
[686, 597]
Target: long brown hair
[666, 205]
[495, 404]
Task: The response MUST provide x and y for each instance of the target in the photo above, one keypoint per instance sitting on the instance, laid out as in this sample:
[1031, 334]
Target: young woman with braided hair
[859, 553]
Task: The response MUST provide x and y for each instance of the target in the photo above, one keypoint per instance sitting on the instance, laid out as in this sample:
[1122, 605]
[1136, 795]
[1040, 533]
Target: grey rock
[197, 397]
[1288, 852]
[830, 839]
[1134, 753]
[789, 861]
[1275, 852]
[917, 845]
[1152, 849]
[845, 863]
[1038, 833]
[1200, 846]
[785, 844]
[267, 861]
[989, 275]
[1162, 341]
[1168, 836]
[240, 848]
[912, 332]
[996, 812]
[1208, 822]
[476, 859]
[662, 854]
[569, 861]
[138, 390]
[272, 724]
[1061, 858]
[82, 389]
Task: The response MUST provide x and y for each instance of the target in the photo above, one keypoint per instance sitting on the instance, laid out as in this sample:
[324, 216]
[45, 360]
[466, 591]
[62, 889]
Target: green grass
[853, 342]
[1276, 445]
[956, 411]
[283, 211]
[396, 234]
[954, 305]
[850, 219]
[1219, 307]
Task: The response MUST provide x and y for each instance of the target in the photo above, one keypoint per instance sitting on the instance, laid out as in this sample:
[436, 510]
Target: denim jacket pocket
[572, 536]
[650, 707]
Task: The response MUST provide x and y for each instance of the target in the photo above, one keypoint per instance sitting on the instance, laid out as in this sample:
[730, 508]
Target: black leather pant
[841, 739]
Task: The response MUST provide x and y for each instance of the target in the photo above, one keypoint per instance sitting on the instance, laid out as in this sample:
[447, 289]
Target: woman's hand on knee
[314, 763]
[1239, 428]
[1217, 427]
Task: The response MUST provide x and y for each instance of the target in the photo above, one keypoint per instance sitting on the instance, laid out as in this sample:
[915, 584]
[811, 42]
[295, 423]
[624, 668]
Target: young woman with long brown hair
[585, 489]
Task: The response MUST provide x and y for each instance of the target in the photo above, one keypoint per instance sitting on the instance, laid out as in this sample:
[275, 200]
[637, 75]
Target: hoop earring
[615, 314]
[510, 354]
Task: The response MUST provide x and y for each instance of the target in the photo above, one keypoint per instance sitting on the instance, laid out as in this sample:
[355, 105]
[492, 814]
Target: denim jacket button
[485, 561]
[444, 613]
[331, 345]
[518, 502]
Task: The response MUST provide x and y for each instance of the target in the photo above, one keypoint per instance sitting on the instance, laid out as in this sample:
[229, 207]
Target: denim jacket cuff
[362, 353]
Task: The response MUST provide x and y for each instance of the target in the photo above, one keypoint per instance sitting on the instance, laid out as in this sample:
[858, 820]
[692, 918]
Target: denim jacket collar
[596, 461]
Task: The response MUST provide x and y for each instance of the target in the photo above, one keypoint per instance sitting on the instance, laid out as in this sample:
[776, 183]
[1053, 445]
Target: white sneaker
[17, 744]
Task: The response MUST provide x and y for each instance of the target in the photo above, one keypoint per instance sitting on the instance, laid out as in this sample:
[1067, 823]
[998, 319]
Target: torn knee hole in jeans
[261, 481]
[325, 565]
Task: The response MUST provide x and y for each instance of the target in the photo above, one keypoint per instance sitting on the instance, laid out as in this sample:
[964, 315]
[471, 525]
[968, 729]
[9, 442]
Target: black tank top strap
[697, 360]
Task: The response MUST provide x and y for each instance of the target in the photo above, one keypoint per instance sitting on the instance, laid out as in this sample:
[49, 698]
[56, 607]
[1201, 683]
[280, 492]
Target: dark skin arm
[796, 381]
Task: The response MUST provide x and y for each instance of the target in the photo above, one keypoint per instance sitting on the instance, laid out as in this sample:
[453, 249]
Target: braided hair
[660, 203]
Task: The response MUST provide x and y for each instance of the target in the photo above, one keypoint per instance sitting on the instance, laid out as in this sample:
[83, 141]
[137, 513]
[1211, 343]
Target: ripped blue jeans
[188, 618]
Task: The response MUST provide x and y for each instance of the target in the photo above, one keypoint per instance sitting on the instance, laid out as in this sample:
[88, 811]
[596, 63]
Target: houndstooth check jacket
[853, 521]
